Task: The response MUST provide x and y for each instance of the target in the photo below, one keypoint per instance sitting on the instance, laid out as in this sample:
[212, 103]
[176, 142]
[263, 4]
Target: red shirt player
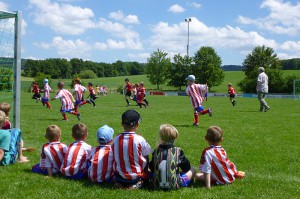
[36, 90]
[232, 94]
[140, 95]
[92, 94]
[128, 89]
[195, 92]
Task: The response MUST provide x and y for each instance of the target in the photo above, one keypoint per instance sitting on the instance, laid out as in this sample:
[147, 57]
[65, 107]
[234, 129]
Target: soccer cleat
[64, 119]
[268, 108]
[78, 116]
[128, 104]
[234, 103]
[196, 124]
[210, 112]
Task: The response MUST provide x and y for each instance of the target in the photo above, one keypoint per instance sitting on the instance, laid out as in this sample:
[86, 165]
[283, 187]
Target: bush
[87, 74]
[6, 79]
[120, 89]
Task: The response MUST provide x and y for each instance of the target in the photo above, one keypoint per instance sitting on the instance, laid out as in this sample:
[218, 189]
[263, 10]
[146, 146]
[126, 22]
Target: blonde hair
[214, 134]
[229, 84]
[167, 133]
[2, 118]
[5, 107]
[53, 133]
[79, 131]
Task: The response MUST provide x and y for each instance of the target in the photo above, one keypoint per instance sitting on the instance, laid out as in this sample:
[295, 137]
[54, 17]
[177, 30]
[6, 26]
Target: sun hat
[131, 117]
[105, 134]
[191, 78]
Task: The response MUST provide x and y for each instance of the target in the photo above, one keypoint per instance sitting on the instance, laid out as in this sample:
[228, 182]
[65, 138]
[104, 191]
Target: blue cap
[191, 78]
[105, 134]
[45, 80]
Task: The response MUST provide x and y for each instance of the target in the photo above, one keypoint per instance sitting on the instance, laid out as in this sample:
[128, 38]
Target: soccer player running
[195, 92]
[79, 89]
[46, 97]
[128, 88]
[231, 94]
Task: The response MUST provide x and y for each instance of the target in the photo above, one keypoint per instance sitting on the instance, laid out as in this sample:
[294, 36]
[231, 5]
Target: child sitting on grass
[52, 154]
[75, 162]
[214, 165]
[168, 160]
[101, 158]
[131, 153]
[10, 145]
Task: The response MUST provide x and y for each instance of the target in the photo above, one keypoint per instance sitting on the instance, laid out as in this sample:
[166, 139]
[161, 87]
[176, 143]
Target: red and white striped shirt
[52, 155]
[76, 158]
[214, 161]
[65, 99]
[47, 90]
[129, 151]
[196, 93]
[101, 160]
[79, 89]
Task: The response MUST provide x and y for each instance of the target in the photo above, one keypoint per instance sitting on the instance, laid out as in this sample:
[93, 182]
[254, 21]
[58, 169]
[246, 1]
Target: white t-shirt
[262, 82]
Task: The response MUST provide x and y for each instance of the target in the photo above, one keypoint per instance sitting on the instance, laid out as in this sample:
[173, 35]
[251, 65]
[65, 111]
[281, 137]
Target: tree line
[58, 68]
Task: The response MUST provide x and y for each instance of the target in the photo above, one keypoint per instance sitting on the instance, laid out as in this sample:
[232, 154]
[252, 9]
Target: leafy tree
[77, 65]
[262, 56]
[207, 67]
[179, 70]
[157, 67]
[87, 74]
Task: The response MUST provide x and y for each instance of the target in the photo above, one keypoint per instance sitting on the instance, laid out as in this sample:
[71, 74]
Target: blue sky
[130, 30]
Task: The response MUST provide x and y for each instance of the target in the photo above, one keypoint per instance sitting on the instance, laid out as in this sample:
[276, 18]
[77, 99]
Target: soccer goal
[10, 62]
[296, 88]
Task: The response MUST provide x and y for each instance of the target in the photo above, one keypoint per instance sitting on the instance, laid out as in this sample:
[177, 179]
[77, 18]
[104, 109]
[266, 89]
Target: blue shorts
[45, 100]
[66, 111]
[78, 102]
[199, 109]
[184, 180]
[14, 147]
[37, 169]
[78, 176]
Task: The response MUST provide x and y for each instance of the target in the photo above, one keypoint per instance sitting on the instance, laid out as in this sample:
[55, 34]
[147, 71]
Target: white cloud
[132, 40]
[291, 45]
[67, 48]
[62, 18]
[195, 5]
[3, 6]
[173, 38]
[284, 18]
[119, 16]
[176, 9]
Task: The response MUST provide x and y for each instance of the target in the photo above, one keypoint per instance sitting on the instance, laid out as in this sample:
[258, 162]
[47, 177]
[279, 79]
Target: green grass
[264, 145]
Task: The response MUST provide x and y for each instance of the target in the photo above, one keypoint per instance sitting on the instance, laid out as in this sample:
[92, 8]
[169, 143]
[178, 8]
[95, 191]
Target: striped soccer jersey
[196, 93]
[214, 161]
[79, 89]
[129, 151]
[52, 155]
[76, 158]
[101, 168]
[65, 99]
[47, 90]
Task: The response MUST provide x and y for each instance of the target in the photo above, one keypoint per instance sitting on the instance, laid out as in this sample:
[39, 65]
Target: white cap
[191, 78]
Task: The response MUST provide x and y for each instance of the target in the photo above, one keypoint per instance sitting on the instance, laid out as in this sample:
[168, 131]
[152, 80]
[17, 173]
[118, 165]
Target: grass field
[264, 145]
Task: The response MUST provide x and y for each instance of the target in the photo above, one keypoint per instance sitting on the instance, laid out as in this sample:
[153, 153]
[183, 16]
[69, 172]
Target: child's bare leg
[21, 158]
[199, 176]
[191, 173]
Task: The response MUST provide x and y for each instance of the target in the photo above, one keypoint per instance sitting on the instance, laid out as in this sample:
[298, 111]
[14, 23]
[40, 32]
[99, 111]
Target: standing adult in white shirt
[262, 89]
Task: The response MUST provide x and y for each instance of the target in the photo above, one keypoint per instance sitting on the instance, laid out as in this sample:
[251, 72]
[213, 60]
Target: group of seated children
[101, 90]
[11, 143]
[124, 160]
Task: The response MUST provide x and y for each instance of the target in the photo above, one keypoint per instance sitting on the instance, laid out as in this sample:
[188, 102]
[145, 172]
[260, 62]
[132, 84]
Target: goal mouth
[10, 62]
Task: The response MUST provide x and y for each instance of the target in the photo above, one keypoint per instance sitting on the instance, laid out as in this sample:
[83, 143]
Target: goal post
[296, 88]
[10, 62]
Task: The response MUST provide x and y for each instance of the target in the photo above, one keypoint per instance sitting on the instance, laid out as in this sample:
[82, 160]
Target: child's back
[102, 158]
